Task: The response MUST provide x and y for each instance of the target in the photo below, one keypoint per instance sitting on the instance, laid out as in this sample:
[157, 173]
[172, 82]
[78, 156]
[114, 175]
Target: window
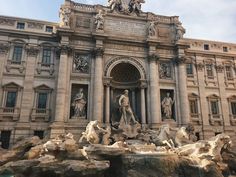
[225, 49]
[49, 29]
[42, 100]
[11, 99]
[17, 54]
[214, 108]
[209, 70]
[193, 106]
[39, 133]
[233, 108]
[5, 139]
[46, 60]
[206, 47]
[189, 69]
[229, 74]
[20, 25]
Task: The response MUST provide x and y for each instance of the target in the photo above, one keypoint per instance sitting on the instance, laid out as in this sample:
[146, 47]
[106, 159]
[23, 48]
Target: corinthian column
[143, 86]
[98, 86]
[183, 94]
[154, 90]
[62, 85]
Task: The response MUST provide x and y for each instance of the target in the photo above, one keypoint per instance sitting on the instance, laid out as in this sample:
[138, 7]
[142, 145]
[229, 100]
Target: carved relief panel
[165, 70]
[81, 63]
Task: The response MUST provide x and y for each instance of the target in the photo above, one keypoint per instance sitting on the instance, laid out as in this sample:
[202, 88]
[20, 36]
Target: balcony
[45, 67]
[232, 119]
[40, 115]
[215, 119]
[15, 65]
[196, 118]
[9, 113]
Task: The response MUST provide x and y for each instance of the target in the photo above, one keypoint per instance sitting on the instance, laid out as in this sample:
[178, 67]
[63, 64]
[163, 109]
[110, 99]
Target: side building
[56, 77]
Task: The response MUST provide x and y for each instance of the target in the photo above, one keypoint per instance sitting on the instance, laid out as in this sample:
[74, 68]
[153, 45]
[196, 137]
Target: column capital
[64, 49]
[107, 81]
[32, 50]
[153, 57]
[180, 60]
[200, 66]
[4, 48]
[219, 68]
[143, 84]
[98, 51]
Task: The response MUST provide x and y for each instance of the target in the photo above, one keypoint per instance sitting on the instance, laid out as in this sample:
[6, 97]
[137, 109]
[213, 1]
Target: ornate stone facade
[104, 51]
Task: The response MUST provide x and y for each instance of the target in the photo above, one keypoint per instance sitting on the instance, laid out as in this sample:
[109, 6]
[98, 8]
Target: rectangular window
[39, 133]
[42, 100]
[229, 73]
[49, 29]
[5, 139]
[214, 108]
[46, 60]
[189, 69]
[17, 54]
[233, 108]
[20, 25]
[209, 70]
[206, 47]
[225, 49]
[193, 106]
[11, 99]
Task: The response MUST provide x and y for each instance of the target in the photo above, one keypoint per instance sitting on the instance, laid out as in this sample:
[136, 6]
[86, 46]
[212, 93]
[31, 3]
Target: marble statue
[90, 133]
[136, 5]
[180, 31]
[166, 104]
[152, 29]
[64, 15]
[99, 20]
[79, 104]
[182, 137]
[106, 135]
[125, 108]
[112, 4]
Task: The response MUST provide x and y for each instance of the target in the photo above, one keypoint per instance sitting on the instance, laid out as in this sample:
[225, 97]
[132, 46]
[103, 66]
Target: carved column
[28, 92]
[133, 100]
[98, 86]
[183, 94]
[62, 85]
[107, 103]
[154, 90]
[143, 86]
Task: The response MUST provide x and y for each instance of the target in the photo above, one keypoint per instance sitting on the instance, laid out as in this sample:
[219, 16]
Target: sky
[203, 19]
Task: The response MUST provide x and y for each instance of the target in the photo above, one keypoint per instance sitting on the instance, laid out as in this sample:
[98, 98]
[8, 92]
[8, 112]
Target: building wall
[161, 61]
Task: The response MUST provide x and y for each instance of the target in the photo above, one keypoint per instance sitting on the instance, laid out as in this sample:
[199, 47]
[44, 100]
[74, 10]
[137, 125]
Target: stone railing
[83, 7]
[7, 112]
[46, 67]
[232, 119]
[18, 65]
[42, 114]
[215, 118]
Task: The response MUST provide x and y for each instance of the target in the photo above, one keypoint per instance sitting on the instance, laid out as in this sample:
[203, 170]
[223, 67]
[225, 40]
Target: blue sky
[212, 19]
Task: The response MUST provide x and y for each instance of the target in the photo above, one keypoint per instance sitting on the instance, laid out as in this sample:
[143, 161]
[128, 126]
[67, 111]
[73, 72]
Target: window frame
[20, 25]
[48, 57]
[229, 73]
[210, 74]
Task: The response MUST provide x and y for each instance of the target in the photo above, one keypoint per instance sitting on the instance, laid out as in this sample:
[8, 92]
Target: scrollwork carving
[200, 66]
[32, 50]
[98, 51]
[219, 68]
[153, 57]
[4, 49]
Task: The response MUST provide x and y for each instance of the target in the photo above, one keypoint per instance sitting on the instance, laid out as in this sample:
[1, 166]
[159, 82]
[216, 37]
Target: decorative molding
[34, 25]
[32, 51]
[200, 66]
[7, 22]
[219, 68]
[98, 51]
[64, 49]
[4, 48]
[180, 60]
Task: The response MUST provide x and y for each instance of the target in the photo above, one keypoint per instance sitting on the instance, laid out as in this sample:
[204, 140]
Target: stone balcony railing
[45, 67]
[12, 113]
[232, 119]
[215, 118]
[17, 65]
[196, 118]
[40, 114]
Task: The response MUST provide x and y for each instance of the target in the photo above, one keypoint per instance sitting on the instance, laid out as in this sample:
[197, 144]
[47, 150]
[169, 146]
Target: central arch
[125, 73]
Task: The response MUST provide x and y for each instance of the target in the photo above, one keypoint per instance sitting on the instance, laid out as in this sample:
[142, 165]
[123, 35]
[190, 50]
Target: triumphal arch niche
[116, 50]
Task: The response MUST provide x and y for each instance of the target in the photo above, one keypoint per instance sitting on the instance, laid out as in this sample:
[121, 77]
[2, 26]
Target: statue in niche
[152, 29]
[126, 111]
[99, 20]
[180, 31]
[64, 15]
[81, 64]
[166, 104]
[79, 104]
[165, 71]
